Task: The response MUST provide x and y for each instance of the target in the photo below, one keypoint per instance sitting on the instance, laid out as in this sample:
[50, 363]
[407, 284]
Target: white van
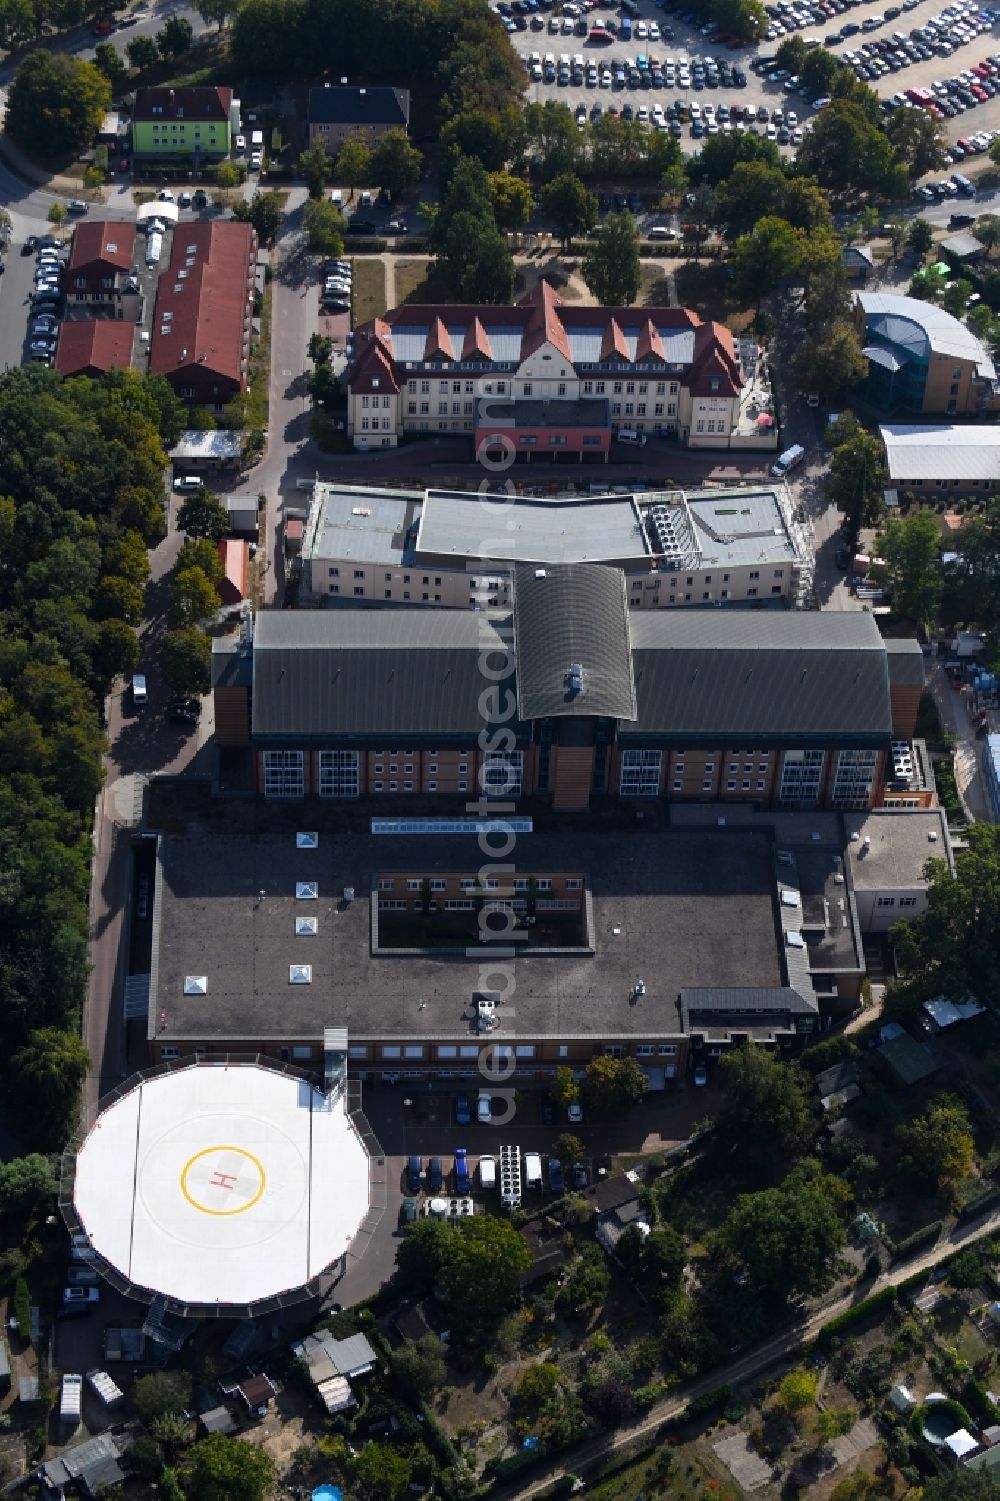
[630, 435]
[662, 232]
[789, 460]
[337, 198]
[188, 482]
[139, 694]
[487, 1172]
[532, 1170]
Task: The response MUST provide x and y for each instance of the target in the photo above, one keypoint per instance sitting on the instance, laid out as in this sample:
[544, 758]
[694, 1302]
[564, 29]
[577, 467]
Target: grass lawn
[677, 1472]
[259, 391]
[704, 287]
[415, 284]
[955, 1328]
[654, 290]
[368, 289]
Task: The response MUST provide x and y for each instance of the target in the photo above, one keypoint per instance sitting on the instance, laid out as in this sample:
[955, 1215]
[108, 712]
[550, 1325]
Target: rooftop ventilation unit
[196, 985]
[306, 927]
[307, 891]
[306, 840]
[300, 974]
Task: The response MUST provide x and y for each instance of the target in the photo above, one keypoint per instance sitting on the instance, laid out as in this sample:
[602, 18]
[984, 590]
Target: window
[854, 778]
[668, 1050]
[502, 773]
[907, 901]
[284, 773]
[390, 1051]
[886, 901]
[357, 1051]
[413, 884]
[640, 773]
[447, 1050]
[801, 777]
[524, 1050]
[644, 1050]
[527, 388]
[385, 883]
[413, 1050]
[574, 883]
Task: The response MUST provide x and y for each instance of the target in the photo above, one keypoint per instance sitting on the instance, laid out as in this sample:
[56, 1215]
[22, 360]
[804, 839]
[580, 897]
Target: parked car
[77, 206]
[700, 1074]
[581, 1177]
[184, 200]
[362, 227]
[548, 1110]
[574, 1113]
[463, 1182]
[408, 1213]
[73, 1295]
[200, 199]
[414, 1167]
[41, 347]
[484, 1108]
[256, 158]
[557, 1181]
[165, 195]
[435, 1176]
[463, 1110]
[30, 245]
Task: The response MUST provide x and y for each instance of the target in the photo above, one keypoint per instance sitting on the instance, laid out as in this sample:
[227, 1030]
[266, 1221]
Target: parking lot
[600, 86]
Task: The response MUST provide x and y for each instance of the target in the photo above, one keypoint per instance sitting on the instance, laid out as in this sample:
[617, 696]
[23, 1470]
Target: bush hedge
[877, 1303]
[980, 1204]
[22, 1308]
[717, 1397]
[921, 1237]
[976, 1400]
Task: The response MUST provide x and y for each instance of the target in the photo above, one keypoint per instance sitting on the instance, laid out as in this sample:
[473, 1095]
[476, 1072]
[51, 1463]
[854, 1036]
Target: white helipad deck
[222, 1184]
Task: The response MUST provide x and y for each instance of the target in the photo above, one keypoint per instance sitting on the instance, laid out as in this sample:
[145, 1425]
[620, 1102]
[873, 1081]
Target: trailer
[510, 1177]
[71, 1398]
[109, 1391]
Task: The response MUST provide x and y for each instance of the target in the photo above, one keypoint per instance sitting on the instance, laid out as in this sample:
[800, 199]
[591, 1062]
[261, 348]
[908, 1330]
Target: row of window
[801, 776]
[502, 774]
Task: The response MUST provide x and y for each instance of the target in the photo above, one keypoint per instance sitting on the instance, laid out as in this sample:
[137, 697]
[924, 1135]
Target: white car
[574, 1113]
[240, 145]
[256, 158]
[165, 195]
[484, 1109]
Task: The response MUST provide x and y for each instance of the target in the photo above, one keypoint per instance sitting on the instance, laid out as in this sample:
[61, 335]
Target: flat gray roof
[900, 847]
[941, 450]
[741, 526]
[603, 528]
[370, 526]
[219, 443]
[671, 908]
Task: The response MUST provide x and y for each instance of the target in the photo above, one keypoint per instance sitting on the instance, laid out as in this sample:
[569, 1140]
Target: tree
[380, 1472]
[56, 103]
[798, 1389]
[571, 206]
[846, 149]
[512, 200]
[767, 1112]
[613, 1085]
[118, 599]
[47, 1074]
[354, 162]
[988, 230]
[791, 54]
[175, 37]
[762, 260]
[230, 1469]
[564, 1089]
[920, 237]
[396, 162]
[201, 553]
[961, 1485]
[57, 213]
[161, 1394]
[482, 1275]
[552, 139]
[829, 365]
[424, 1252]
[195, 598]
[897, 231]
[420, 1367]
[315, 164]
[956, 297]
[26, 1182]
[265, 212]
[117, 650]
[818, 72]
[786, 1239]
[952, 947]
[202, 514]
[227, 175]
[483, 134]
[142, 52]
[611, 267]
[568, 1148]
[324, 226]
[111, 64]
[664, 1256]
[216, 12]
[858, 477]
[186, 662]
[917, 140]
[940, 1146]
[911, 549]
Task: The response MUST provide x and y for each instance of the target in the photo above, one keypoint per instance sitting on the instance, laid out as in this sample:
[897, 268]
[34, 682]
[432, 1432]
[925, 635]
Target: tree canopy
[611, 267]
[787, 1240]
[910, 547]
[953, 946]
[230, 1469]
[767, 1110]
[477, 1263]
[56, 103]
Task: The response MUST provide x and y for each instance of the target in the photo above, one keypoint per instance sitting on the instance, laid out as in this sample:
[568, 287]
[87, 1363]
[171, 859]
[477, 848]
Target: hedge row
[976, 1401]
[856, 1315]
[22, 1308]
[980, 1204]
[699, 1407]
[921, 1237]
[441, 1443]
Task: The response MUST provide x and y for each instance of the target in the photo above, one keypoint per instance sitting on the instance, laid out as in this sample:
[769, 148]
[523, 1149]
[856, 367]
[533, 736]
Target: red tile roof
[544, 326]
[203, 301]
[715, 361]
[102, 241]
[96, 345]
[202, 102]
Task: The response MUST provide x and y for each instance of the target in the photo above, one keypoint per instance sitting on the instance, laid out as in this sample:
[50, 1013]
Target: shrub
[709, 1401]
[22, 1308]
[866, 1309]
[921, 1237]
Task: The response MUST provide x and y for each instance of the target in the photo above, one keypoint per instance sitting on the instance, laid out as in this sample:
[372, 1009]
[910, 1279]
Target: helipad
[222, 1184]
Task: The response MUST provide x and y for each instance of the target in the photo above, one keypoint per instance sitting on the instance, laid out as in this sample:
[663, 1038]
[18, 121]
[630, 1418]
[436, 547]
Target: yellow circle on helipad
[223, 1180]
